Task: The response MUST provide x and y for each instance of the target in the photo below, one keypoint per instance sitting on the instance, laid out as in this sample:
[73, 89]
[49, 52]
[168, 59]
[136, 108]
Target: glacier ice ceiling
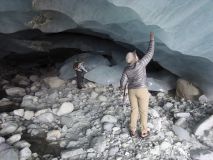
[183, 29]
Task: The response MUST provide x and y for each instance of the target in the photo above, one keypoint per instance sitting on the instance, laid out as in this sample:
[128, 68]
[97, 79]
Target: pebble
[25, 153]
[65, 108]
[28, 115]
[108, 119]
[14, 138]
[19, 112]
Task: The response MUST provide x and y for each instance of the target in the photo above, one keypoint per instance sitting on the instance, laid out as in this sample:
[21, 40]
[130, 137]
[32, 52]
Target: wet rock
[54, 82]
[28, 115]
[65, 108]
[73, 154]
[15, 91]
[204, 126]
[108, 119]
[25, 153]
[183, 134]
[19, 112]
[53, 135]
[14, 138]
[8, 128]
[98, 144]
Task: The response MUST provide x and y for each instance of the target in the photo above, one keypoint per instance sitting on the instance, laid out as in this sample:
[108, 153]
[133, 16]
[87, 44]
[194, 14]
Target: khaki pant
[139, 100]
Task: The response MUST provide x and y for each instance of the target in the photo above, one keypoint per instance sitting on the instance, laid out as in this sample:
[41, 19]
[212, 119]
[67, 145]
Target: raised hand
[152, 36]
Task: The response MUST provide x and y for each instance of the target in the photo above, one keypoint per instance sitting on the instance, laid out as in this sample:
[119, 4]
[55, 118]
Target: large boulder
[186, 90]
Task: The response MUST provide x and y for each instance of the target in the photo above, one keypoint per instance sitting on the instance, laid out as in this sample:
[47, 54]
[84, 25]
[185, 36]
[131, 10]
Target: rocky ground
[44, 117]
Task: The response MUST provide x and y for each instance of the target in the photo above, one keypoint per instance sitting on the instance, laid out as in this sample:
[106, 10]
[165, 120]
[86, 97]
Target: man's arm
[123, 81]
[150, 52]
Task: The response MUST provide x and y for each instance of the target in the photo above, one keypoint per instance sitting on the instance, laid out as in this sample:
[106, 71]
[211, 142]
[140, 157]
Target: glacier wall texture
[183, 29]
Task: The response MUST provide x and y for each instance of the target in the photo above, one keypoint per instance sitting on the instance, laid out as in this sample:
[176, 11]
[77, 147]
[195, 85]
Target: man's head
[79, 66]
[131, 57]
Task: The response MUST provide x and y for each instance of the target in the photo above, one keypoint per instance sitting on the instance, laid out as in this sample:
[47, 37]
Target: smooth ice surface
[91, 61]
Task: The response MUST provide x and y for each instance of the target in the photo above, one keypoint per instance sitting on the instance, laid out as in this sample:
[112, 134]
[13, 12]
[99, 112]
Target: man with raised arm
[134, 76]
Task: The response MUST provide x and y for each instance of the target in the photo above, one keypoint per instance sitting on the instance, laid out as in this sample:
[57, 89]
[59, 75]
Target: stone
[94, 95]
[25, 153]
[186, 90]
[73, 154]
[108, 119]
[165, 145]
[15, 91]
[39, 112]
[181, 122]
[22, 144]
[8, 153]
[53, 135]
[5, 102]
[54, 82]
[14, 138]
[113, 151]
[65, 108]
[203, 99]
[99, 144]
[2, 140]
[46, 117]
[154, 113]
[19, 112]
[108, 126]
[182, 134]
[8, 128]
[30, 102]
[182, 115]
[102, 98]
[204, 126]
[91, 155]
[160, 95]
[28, 115]
[201, 154]
[34, 78]
[168, 106]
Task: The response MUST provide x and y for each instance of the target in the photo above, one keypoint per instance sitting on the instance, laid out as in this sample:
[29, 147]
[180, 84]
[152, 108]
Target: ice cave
[44, 116]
